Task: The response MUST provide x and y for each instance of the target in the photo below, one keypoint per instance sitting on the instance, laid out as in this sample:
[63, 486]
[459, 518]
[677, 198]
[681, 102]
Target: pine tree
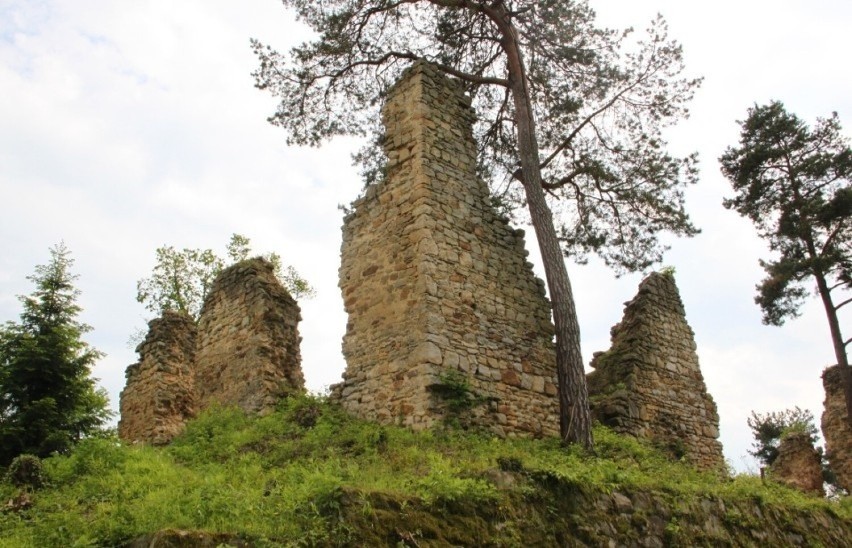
[48, 399]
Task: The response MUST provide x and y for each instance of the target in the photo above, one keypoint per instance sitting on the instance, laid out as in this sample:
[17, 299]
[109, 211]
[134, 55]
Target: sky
[129, 125]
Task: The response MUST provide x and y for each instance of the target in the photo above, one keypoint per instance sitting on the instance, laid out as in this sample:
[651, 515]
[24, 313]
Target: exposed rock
[649, 383]
[159, 396]
[798, 464]
[433, 279]
[835, 427]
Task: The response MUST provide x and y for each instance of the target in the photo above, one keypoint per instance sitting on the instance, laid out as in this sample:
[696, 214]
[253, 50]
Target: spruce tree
[48, 399]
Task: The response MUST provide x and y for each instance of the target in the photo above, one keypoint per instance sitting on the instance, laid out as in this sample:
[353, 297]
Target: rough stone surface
[835, 427]
[798, 464]
[244, 352]
[434, 280]
[649, 383]
[248, 340]
[160, 392]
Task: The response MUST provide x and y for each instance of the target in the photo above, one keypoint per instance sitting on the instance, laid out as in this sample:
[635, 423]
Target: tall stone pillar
[649, 383]
[159, 396]
[835, 427]
[435, 282]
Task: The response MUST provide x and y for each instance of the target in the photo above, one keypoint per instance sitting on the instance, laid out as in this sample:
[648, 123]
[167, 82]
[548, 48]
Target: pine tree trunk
[574, 415]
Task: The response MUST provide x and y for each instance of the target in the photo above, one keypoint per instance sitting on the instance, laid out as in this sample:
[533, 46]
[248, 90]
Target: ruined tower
[159, 396]
[649, 383]
[248, 342]
[244, 352]
[435, 282]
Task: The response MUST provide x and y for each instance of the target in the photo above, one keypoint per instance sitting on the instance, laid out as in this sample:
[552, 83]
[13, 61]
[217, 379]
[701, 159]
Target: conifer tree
[48, 399]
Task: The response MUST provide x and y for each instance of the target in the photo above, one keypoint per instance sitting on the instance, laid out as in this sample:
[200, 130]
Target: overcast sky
[128, 125]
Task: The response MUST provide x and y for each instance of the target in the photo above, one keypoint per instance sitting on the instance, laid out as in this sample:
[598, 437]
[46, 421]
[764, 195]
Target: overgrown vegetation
[309, 474]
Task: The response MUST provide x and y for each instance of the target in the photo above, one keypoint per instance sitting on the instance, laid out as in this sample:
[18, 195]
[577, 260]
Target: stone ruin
[798, 464]
[436, 283]
[160, 393]
[442, 304]
[836, 428]
[244, 352]
[649, 383]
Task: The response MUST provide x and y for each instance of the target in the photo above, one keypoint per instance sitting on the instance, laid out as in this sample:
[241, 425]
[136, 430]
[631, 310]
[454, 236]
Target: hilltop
[308, 474]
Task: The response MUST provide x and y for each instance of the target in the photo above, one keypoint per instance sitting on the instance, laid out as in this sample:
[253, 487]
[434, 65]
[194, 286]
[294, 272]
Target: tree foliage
[181, 279]
[768, 428]
[48, 399]
[601, 99]
[793, 182]
[563, 107]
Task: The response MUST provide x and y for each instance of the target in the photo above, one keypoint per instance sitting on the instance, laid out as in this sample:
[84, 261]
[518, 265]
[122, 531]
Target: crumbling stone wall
[835, 427]
[159, 395]
[798, 464]
[649, 383]
[434, 280]
[243, 352]
[248, 341]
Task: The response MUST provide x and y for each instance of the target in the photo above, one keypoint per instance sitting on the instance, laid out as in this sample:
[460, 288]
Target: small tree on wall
[793, 182]
[181, 279]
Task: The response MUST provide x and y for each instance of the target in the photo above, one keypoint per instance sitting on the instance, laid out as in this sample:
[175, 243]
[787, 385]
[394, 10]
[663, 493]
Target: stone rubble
[835, 427]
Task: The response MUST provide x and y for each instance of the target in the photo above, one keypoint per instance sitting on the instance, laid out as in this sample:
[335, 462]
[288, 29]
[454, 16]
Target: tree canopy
[181, 279]
[793, 182]
[600, 100]
[768, 428]
[48, 399]
[563, 108]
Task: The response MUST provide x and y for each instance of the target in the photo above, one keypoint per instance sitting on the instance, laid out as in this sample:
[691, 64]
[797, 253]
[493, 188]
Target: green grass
[284, 478]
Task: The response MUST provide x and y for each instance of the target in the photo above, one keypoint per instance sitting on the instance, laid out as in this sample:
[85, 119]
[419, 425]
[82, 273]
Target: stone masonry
[244, 352]
[160, 393]
[835, 427]
[798, 464]
[649, 383]
[435, 281]
[248, 341]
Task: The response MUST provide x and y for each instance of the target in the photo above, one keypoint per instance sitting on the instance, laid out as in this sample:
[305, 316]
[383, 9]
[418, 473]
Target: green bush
[26, 471]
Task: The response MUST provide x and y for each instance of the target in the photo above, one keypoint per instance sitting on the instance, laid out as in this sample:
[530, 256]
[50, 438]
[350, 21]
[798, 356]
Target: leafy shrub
[26, 471]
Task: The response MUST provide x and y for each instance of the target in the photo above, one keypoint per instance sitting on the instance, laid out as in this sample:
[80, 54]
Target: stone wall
[649, 383]
[434, 280]
[798, 464]
[160, 392]
[248, 341]
[244, 352]
[835, 427]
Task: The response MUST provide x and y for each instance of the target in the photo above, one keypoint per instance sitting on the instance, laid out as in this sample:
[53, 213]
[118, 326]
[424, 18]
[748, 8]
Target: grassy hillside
[311, 475]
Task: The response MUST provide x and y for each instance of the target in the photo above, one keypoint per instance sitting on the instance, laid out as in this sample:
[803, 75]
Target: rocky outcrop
[248, 341]
[649, 383]
[436, 284]
[798, 464]
[243, 352]
[159, 396]
[835, 427]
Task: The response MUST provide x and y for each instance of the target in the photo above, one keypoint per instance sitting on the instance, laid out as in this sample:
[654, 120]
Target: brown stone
[798, 464]
[465, 298]
[243, 352]
[835, 427]
[649, 383]
[159, 396]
